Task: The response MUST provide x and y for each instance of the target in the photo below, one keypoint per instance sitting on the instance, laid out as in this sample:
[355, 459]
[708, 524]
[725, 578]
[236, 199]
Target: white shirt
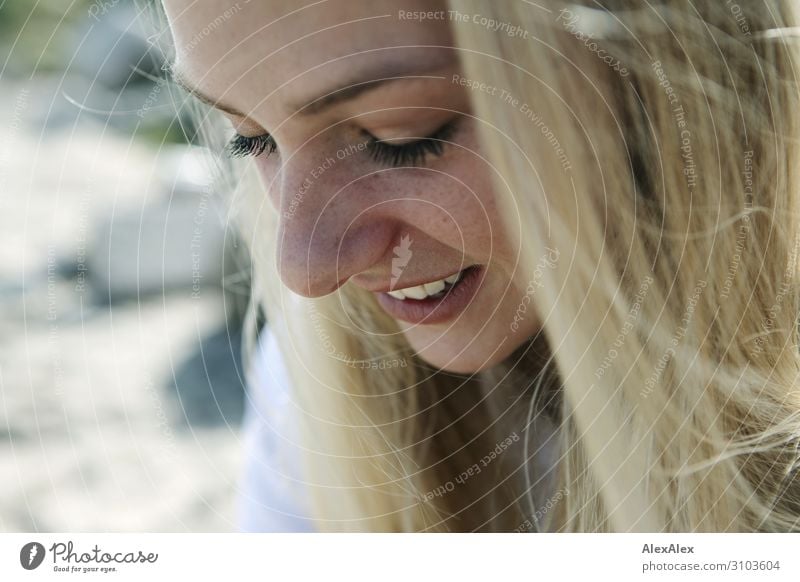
[271, 487]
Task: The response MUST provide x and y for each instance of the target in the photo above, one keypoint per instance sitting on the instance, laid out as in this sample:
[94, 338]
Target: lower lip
[439, 309]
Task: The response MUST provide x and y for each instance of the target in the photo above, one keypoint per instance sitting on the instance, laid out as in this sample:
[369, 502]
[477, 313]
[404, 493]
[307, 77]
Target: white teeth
[434, 288]
[417, 292]
[425, 290]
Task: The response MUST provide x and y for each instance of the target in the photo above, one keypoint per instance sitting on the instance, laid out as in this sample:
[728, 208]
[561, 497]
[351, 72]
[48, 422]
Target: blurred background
[121, 287]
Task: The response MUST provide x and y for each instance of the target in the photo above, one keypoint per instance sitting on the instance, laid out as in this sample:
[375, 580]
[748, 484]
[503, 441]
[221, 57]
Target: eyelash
[241, 145]
[381, 151]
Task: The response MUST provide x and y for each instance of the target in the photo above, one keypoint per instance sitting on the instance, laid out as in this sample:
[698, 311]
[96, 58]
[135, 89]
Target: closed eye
[383, 152]
[413, 153]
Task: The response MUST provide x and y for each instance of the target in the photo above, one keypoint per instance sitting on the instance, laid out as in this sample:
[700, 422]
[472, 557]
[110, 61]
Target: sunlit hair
[659, 157]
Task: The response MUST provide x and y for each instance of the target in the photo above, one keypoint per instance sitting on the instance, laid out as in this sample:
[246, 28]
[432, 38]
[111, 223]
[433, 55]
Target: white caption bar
[400, 557]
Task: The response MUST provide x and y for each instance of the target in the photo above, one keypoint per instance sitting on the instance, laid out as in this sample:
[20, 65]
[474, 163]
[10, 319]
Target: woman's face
[377, 172]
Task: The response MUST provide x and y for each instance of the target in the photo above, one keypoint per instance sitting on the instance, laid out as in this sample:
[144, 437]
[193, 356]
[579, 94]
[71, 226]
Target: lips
[434, 302]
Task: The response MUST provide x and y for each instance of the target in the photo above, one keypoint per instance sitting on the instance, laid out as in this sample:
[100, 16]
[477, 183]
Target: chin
[465, 353]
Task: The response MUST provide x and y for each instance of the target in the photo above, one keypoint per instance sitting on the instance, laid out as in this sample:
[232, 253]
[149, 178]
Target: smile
[434, 302]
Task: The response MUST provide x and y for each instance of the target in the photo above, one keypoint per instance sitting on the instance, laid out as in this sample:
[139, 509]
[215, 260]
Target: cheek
[472, 197]
[465, 193]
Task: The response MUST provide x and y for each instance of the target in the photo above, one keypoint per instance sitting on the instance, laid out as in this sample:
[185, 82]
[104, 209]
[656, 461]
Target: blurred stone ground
[116, 413]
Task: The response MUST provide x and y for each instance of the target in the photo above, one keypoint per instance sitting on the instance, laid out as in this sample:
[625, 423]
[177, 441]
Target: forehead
[283, 43]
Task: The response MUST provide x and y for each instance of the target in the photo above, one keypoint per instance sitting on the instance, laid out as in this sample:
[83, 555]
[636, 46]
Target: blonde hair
[694, 427]
[657, 152]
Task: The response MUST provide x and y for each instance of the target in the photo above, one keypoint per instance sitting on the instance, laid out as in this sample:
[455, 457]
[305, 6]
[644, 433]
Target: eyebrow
[180, 80]
[346, 92]
[350, 91]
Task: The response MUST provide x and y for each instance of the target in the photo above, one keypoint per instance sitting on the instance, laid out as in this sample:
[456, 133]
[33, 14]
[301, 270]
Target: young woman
[526, 266]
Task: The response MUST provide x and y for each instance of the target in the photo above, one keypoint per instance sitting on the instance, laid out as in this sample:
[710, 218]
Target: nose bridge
[330, 226]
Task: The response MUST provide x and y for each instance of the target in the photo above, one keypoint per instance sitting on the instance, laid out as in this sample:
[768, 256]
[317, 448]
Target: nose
[331, 226]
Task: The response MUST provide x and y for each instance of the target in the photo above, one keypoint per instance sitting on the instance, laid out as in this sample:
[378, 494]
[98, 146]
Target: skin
[263, 60]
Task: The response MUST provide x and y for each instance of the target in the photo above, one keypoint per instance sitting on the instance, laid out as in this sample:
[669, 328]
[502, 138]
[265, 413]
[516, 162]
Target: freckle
[446, 221]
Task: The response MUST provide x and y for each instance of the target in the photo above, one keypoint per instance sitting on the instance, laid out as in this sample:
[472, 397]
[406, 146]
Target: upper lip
[419, 281]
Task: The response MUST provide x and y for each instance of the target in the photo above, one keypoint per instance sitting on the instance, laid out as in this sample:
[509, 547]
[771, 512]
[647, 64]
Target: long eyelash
[241, 146]
[410, 154]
